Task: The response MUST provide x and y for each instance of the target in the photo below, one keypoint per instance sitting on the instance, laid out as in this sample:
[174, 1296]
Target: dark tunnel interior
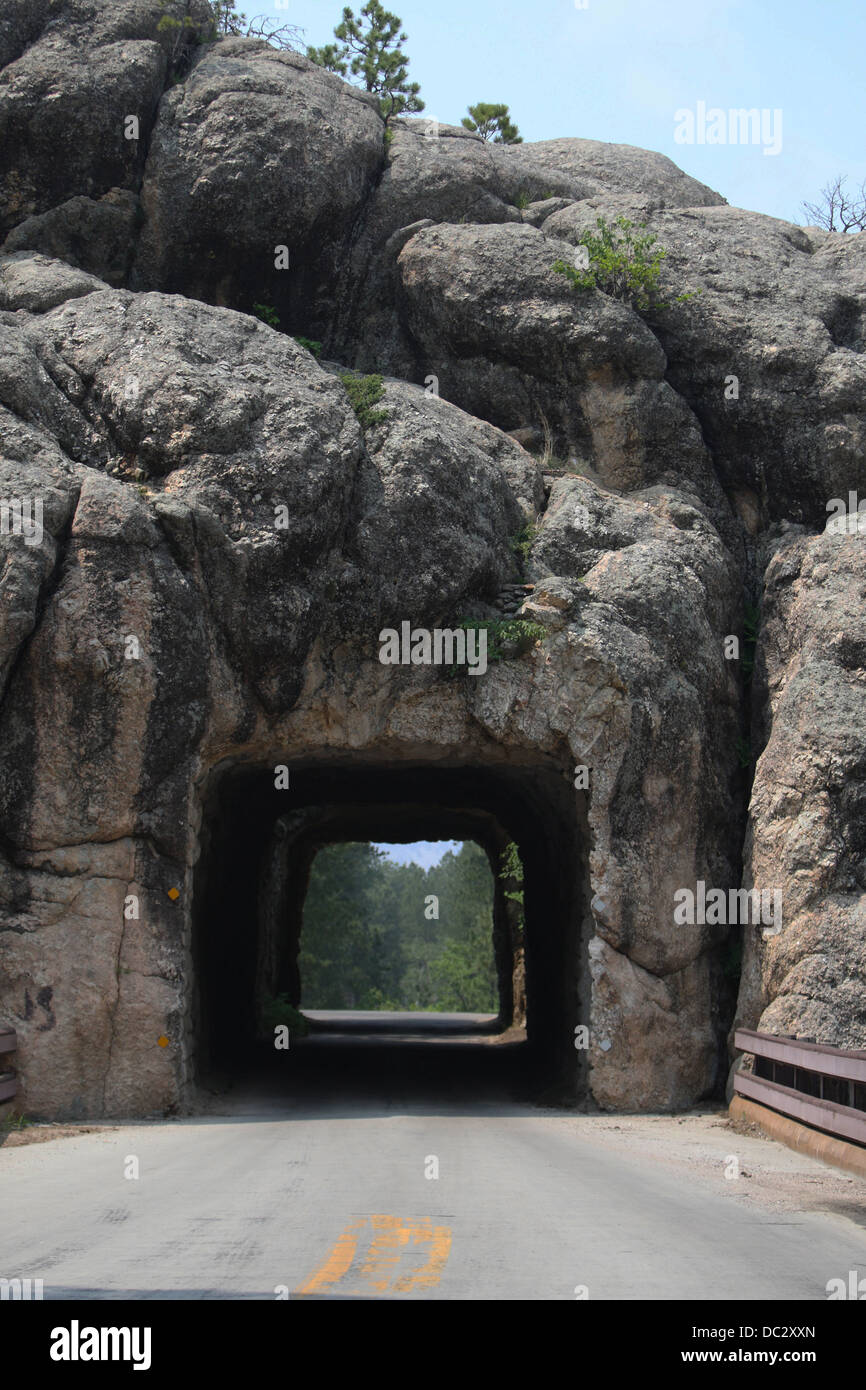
[257, 845]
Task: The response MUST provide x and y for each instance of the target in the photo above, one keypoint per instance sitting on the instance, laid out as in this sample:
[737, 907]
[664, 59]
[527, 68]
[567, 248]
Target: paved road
[410, 1024]
[319, 1182]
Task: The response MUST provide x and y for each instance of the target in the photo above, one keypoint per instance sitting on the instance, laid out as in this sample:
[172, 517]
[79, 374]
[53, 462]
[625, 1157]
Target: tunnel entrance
[258, 841]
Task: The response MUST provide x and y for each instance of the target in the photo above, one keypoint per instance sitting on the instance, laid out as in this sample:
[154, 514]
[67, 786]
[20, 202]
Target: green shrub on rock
[311, 344]
[507, 638]
[268, 314]
[364, 392]
[619, 263]
[278, 1012]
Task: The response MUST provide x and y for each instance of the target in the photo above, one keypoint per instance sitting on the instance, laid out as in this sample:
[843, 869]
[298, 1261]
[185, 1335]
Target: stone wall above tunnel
[72, 77]
[257, 150]
[249, 651]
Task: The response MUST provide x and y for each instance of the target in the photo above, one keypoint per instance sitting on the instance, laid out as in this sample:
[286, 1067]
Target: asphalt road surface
[391, 1165]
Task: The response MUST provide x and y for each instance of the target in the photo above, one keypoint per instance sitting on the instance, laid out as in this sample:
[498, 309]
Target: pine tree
[492, 123]
[373, 44]
[330, 56]
[185, 32]
[181, 33]
[226, 18]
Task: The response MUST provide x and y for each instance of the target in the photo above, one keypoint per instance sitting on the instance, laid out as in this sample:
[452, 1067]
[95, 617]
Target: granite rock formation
[211, 541]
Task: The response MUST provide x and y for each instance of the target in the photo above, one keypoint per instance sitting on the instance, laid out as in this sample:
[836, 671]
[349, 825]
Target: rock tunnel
[258, 844]
[151, 877]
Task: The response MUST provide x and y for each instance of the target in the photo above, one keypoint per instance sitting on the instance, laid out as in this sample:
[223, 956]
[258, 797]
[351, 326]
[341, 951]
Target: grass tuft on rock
[364, 392]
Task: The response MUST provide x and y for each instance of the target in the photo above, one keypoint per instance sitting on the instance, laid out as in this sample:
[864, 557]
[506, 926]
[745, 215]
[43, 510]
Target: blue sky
[423, 852]
[619, 70]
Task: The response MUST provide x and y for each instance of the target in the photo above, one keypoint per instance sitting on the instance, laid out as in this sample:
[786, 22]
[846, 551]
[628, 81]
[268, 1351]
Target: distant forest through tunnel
[378, 934]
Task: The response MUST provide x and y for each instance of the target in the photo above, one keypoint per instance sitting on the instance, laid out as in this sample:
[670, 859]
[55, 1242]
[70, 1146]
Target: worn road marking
[395, 1245]
[337, 1263]
[439, 1240]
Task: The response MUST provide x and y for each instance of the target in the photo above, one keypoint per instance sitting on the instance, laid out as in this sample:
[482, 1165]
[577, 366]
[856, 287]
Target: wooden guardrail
[8, 1081]
[824, 1087]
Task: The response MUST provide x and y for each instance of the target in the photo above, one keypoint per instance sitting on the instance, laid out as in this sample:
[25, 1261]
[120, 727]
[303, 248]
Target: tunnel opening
[257, 844]
[401, 928]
